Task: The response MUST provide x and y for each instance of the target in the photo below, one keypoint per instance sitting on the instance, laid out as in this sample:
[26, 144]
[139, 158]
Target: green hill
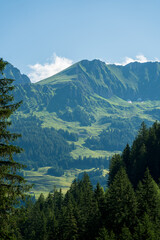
[135, 80]
[91, 97]
[102, 105]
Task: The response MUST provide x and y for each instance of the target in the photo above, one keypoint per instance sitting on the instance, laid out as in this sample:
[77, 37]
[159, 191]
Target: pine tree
[138, 155]
[36, 221]
[141, 163]
[115, 164]
[11, 184]
[143, 133]
[104, 235]
[99, 196]
[148, 197]
[153, 147]
[70, 229]
[121, 204]
[126, 156]
[145, 229]
[85, 207]
[125, 234]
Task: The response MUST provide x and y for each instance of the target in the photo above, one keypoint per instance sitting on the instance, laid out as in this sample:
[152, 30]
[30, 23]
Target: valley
[80, 117]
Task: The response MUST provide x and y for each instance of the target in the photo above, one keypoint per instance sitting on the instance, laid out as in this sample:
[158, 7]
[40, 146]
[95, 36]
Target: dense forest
[43, 146]
[49, 147]
[110, 140]
[128, 209]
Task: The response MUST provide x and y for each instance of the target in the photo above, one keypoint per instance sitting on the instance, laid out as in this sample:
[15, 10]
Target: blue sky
[41, 37]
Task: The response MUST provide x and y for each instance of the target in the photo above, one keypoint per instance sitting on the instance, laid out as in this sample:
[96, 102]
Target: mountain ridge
[14, 73]
[92, 97]
[102, 105]
[125, 82]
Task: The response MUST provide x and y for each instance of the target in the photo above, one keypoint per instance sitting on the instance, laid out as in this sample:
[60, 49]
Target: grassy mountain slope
[103, 105]
[90, 97]
[135, 80]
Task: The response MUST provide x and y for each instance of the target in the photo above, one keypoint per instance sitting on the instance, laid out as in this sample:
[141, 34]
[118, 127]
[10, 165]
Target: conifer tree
[99, 198]
[138, 155]
[99, 195]
[121, 204]
[104, 235]
[11, 184]
[142, 134]
[126, 155]
[125, 234]
[145, 229]
[148, 197]
[153, 147]
[115, 164]
[141, 163]
[70, 229]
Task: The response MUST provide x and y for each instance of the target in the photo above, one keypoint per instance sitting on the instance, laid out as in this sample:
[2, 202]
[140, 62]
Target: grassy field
[43, 183]
[120, 110]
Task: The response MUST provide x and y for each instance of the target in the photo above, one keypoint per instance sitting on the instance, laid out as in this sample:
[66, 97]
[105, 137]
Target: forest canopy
[129, 209]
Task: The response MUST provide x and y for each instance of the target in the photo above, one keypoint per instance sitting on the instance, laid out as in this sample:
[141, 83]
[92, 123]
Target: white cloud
[56, 64]
[53, 66]
[139, 58]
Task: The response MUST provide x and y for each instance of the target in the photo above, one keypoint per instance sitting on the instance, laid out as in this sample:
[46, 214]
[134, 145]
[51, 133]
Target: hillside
[133, 81]
[129, 209]
[13, 73]
[102, 105]
[90, 97]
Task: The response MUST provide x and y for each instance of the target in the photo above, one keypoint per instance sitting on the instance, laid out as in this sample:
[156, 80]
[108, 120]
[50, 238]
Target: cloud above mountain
[139, 58]
[54, 65]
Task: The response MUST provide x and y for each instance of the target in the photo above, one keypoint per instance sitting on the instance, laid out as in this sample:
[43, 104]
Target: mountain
[135, 80]
[103, 104]
[91, 109]
[13, 73]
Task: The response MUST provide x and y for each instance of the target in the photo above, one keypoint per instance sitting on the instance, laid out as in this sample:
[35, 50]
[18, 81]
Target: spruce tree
[145, 229]
[70, 229]
[126, 156]
[148, 197]
[11, 184]
[142, 136]
[121, 204]
[104, 235]
[115, 164]
[99, 196]
[138, 156]
[153, 146]
[125, 234]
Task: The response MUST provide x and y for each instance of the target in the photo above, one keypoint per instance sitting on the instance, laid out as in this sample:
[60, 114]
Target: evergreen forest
[129, 208]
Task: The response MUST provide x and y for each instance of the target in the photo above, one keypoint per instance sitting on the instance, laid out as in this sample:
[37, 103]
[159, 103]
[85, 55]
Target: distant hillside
[14, 73]
[133, 81]
[102, 105]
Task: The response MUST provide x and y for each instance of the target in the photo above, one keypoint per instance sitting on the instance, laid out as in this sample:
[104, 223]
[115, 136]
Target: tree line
[129, 209]
[84, 213]
[49, 147]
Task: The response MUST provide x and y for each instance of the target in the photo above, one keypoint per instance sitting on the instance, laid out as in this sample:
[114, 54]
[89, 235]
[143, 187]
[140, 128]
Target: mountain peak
[92, 64]
[14, 73]
[134, 80]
